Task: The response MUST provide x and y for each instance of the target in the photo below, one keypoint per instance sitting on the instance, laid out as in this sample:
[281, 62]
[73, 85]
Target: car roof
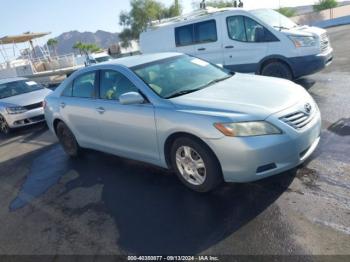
[12, 79]
[137, 60]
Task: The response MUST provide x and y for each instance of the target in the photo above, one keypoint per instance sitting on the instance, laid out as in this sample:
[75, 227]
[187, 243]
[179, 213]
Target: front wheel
[195, 165]
[277, 69]
[67, 140]
[4, 127]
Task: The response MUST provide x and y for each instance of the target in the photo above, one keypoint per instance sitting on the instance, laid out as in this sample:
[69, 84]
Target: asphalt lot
[101, 204]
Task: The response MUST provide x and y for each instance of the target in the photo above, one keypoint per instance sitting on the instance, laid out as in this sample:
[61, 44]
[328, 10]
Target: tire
[4, 127]
[67, 140]
[277, 69]
[188, 165]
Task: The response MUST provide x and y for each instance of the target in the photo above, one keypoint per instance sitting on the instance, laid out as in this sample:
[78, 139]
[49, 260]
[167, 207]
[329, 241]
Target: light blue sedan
[182, 113]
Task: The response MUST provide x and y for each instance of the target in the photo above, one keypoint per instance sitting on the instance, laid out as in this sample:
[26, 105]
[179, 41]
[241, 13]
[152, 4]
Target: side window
[113, 84]
[206, 32]
[68, 90]
[257, 33]
[184, 35]
[236, 28]
[84, 86]
[245, 29]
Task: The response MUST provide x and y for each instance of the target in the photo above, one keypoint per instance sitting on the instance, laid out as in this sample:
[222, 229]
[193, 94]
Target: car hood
[305, 31]
[27, 98]
[254, 97]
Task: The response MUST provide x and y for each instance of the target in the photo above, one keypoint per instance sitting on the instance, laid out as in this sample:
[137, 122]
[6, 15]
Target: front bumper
[307, 65]
[25, 119]
[253, 158]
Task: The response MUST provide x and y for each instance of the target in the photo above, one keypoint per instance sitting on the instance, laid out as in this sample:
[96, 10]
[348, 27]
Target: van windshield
[179, 75]
[273, 18]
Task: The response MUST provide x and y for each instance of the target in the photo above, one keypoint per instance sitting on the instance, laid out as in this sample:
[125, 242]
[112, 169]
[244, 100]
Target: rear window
[203, 32]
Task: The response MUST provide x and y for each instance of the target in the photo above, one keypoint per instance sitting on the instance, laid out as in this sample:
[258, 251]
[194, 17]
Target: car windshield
[18, 88]
[273, 18]
[179, 75]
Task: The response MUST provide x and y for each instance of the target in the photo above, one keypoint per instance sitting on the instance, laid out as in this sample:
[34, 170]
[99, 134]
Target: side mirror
[131, 98]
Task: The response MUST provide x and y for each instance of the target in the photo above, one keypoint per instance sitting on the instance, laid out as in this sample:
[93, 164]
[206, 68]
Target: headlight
[243, 129]
[15, 110]
[303, 41]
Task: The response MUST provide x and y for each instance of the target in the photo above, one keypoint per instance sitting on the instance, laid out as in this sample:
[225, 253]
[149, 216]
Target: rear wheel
[67, 140]
[195, 165]
[4, 127]
[277, 69]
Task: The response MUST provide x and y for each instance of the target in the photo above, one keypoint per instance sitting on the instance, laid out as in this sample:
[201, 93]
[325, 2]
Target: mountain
[101, 38]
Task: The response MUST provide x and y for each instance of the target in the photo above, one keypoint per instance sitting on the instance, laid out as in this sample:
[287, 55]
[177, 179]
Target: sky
[59, 16]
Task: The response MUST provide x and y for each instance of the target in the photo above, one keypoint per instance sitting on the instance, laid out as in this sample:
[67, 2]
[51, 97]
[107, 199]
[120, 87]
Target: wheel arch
[274, 58]
[171, 139]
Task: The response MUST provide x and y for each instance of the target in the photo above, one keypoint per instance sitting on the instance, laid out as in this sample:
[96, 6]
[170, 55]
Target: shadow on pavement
[305, 82]
[152, 210]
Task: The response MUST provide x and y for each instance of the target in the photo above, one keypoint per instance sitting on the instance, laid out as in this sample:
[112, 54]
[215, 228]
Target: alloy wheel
[190, 165]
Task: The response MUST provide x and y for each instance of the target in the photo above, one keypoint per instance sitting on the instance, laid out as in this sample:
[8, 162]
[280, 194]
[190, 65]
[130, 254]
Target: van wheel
[4, 127]
[67, 140]
[277, 69]
[195, 165]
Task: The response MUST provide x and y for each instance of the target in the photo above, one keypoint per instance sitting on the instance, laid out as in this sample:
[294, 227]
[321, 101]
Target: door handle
[63, 105]
[101, 110]
[229, 46]
[201, 49]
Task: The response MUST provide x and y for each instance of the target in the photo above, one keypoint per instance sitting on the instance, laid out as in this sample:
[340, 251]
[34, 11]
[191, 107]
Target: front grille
[324, 42]
[34, 106]
[297, 120]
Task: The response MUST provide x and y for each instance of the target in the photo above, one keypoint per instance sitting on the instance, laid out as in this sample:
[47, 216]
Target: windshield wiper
[183, 92]
[216, 81]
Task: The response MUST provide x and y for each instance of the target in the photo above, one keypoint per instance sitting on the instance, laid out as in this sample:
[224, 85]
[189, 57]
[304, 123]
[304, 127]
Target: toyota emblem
[308, 108]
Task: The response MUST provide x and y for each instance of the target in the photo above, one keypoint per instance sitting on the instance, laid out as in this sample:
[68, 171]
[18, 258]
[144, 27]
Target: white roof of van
[194, 15]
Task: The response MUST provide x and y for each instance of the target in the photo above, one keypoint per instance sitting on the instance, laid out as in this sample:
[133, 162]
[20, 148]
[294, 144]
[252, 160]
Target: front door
[244, 45]
[129, 130]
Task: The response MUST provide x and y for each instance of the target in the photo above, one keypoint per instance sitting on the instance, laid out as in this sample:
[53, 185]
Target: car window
[245, 29]
[83, 86]
[18, 87]
[206, 31]
[236, 28]
[68, 90]
[113, 84]
[184, 35]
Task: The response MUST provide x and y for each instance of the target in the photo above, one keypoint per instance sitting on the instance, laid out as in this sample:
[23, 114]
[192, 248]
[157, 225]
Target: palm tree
[52, 43]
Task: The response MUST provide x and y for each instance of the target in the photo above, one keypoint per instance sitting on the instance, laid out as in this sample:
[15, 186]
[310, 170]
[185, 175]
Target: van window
[245, 29]
[206, 31]
[113, 84]
[184, 35]
[84, 86]
[202, 32]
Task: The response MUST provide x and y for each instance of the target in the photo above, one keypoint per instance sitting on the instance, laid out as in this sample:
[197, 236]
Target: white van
[249, 41]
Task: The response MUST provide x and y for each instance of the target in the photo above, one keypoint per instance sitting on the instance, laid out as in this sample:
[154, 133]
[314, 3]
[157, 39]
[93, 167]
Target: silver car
[182, 113]
[21, 103]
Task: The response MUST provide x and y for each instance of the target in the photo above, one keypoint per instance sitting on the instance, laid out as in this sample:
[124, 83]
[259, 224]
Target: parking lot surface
[102, 204]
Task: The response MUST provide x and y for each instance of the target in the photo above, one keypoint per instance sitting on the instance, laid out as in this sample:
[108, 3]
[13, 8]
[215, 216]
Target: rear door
[78, 109]
[245, 43]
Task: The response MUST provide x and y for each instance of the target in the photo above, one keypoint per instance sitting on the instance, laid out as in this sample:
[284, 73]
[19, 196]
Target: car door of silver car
[78, 109]
[129, 130]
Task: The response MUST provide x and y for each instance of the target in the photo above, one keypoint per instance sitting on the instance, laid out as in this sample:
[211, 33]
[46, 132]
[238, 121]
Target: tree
[287, 11]
[325, 4]
[86, 48]
[142, 12]
[52, 43]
